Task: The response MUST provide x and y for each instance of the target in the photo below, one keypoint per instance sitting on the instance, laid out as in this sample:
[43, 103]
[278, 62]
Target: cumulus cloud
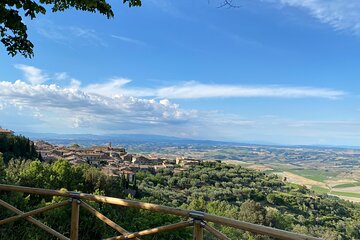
[32, 74]
[340, 14]
[115, 106]
[83, 106]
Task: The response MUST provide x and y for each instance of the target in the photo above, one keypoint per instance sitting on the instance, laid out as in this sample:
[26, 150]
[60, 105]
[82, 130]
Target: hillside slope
[216, 188]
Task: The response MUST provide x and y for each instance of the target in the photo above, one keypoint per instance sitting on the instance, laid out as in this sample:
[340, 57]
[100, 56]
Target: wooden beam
[33, 212]
[257, 229]
[154, 230]
[254, 228]
[198, 230]
[97, 198]
[215, 232]
[75, 207]
[34, 221]
[104, 218]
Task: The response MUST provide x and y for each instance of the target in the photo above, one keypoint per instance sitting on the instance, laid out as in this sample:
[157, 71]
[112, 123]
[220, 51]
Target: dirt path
[294, 178]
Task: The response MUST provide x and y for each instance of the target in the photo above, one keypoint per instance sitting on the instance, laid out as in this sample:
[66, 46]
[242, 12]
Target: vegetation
[62, 175]
[346, 194]
[213, 187]
[320, 189]
[13, 30]
[347, 185]
[314, 174]
[17, 147]
[255, 197]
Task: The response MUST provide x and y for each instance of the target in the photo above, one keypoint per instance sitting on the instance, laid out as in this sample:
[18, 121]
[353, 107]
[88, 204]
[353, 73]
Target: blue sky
[277, 71]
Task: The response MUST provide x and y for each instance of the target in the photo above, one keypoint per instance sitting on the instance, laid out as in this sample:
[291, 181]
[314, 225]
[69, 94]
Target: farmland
[333, 171]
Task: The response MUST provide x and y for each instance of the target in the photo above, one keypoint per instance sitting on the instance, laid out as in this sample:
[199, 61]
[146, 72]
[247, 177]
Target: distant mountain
[129, 139]
[118, 139]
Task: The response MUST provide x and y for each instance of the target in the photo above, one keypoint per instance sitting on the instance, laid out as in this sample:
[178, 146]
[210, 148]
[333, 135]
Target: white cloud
[129, 40]
[169, 8]
[194, 90]
[80, 105]
[198, 90]
[61, 76]
[66, 34]
[111, 88]
[32, 74]
[115, 106]
[89, 34]
[75, 84]
[340, 14]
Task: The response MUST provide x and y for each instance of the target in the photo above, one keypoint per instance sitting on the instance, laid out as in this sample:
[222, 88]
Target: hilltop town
[113, 161]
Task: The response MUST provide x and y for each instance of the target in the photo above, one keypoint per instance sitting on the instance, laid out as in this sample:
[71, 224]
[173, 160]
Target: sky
[269, 71]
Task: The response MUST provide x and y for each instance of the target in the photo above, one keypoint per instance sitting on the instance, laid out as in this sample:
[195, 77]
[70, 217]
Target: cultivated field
[328, 170]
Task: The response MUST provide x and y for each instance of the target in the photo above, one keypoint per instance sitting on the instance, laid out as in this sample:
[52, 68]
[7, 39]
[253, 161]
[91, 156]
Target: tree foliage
[13, 30]
[12, 146]
[230, 191]
[252, 196]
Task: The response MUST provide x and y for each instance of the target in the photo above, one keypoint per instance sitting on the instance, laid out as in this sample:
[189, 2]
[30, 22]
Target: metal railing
[198, 220]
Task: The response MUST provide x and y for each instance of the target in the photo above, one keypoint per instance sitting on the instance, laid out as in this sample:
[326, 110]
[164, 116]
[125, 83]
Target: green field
[313, 174]
[347, 185]
[320, 190]
[346, 194]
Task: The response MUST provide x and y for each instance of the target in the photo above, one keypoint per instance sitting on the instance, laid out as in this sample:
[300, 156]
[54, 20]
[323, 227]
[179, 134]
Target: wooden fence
[197, 220]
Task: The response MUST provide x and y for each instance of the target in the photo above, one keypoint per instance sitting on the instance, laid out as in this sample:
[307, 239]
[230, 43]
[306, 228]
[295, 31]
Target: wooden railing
[198, 220]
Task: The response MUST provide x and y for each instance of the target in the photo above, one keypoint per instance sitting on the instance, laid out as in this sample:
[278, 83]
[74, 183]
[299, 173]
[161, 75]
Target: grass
[347, 185]
[313, 174]
[271, 171]
[320, 190]
[346, 194]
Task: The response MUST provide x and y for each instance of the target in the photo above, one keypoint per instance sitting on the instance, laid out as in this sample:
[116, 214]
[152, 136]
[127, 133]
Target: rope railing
[198, 220]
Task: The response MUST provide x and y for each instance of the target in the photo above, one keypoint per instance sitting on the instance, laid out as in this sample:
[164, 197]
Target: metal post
[75, 207]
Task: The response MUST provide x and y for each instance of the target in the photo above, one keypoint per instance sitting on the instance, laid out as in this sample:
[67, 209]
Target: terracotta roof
[5, 131]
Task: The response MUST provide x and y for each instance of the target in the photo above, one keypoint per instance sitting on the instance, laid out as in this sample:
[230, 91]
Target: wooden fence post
[198, 230]
[75, 207]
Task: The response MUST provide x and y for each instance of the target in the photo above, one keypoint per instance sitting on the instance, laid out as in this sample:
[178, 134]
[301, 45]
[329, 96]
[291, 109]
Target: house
[138, 159]
[129, 175]
[6, 132]
[110, 171]
[127, 157]
[42, 145]
[158, 167]
[45, 153]
[187, 161]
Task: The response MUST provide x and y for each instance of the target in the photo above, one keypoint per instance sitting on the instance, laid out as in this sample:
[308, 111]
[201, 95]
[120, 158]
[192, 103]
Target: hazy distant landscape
[325, 170]
[331, 170]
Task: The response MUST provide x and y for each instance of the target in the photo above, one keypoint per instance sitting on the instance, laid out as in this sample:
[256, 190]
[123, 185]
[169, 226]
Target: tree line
[213, 187]
[18, 147]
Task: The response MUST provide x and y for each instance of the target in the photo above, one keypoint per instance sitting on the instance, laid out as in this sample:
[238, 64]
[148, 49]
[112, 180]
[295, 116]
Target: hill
[214, 187]
[120, 139]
